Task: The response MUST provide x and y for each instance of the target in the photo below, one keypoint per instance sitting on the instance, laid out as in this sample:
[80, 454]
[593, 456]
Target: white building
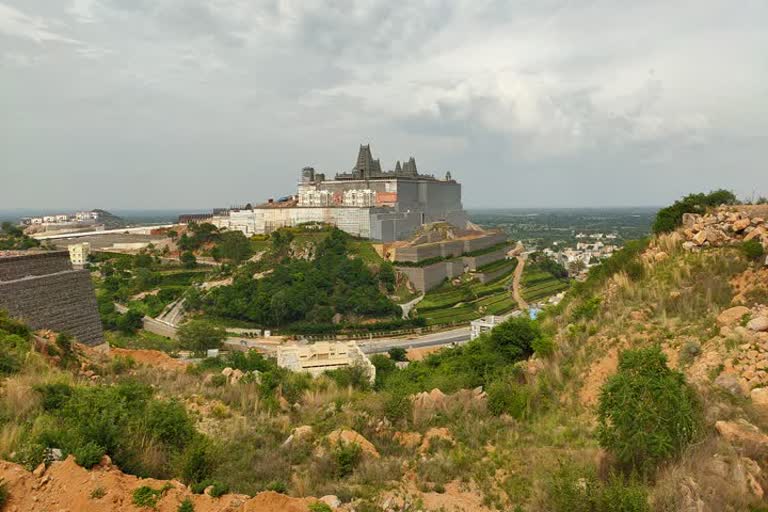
[78, 253]
[320, 357]
[482, 325]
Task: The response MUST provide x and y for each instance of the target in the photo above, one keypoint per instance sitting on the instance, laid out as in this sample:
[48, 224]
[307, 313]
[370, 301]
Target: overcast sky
[203, 103]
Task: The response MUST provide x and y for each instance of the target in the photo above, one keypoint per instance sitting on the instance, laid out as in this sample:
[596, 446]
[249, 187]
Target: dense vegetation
[13, 238]
[671, 217]
[299, 290]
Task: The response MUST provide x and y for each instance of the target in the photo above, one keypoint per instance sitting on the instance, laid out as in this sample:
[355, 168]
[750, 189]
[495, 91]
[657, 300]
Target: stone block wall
[431, 276]
[62, 300]
[34, 264]
[474, 262]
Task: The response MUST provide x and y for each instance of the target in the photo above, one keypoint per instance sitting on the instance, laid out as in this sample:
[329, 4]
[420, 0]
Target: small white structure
[485, 324]
[323, 356]
[78, 253]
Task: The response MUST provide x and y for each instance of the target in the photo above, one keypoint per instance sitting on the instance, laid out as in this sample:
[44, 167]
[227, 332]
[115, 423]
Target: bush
[199, 336]
[319, 506]
[186, 506]
[671, 217]
[89, 454]
[571, 489]
[346, 457]
[277, 486]
[509, 398]
[647, 413]
[543, 346]
[98, 493]
[197, 461]
[169, 422]
[752, 249]
[218, 489]
[145, 496]
[398, 354]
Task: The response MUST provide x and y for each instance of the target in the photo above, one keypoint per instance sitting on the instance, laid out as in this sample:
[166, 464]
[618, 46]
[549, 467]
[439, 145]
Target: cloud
[15, 23]
[547, 91]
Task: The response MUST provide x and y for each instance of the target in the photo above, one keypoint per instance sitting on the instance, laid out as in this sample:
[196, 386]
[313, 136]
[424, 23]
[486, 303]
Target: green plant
[146, 496]
[186, 506]
[752, 249]
[319, 506]
[690, 351]
[669, 218]
[647, 413]
[277, 486]
[98, 493]
[89, 454]
[346, 457]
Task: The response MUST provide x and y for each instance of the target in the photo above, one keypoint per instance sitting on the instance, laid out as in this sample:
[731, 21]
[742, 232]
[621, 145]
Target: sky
[528, 103]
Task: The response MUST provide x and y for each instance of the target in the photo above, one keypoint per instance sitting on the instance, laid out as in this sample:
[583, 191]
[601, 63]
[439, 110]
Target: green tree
[233, 247]
[398, 354]
[188, 260]
[647, 413]
[387, 276]
[199, 336]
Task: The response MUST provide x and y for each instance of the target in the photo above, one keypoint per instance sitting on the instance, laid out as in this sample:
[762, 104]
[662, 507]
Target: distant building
[323, 356]
[483, 325]
[78, 254]
[365, 202]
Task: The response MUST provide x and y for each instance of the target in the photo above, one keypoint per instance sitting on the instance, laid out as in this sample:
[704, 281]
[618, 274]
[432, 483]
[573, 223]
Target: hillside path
[516, 292]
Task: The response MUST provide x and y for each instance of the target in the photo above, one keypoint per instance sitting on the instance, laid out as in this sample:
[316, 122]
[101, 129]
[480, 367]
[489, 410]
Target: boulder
[235, 376]
[352, 437]
[759, 324]
[743, 434]
[755, 233]
[408, 439]
[741, 225]
[732, 315]
[432, 434]
[729, 383]
[332, 501]
[227, 371]
[689, 220]
[39, 470]
[759, 398]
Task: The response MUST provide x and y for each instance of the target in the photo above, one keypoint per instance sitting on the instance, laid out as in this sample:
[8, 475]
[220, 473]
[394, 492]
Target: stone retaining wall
[61, 300]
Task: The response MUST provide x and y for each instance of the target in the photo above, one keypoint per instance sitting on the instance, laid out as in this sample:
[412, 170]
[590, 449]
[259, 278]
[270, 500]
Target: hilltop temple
[364, 201]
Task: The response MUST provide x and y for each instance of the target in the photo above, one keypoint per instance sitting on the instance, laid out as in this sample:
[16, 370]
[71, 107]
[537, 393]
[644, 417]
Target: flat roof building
[323, 356]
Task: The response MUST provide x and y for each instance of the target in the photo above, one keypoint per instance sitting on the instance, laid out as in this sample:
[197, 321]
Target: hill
[644, 389]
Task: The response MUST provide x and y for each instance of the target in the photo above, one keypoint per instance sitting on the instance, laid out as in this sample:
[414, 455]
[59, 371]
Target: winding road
[516, 291]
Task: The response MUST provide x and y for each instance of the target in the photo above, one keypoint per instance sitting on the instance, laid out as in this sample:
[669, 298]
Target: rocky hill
[521, 419]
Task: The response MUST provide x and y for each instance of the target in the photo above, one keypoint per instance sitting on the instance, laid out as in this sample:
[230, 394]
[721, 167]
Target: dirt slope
[67, 487]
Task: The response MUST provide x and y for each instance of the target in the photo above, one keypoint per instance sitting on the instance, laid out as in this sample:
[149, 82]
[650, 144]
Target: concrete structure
[365, 202]
[78, 254]
[44, 290]
[323, 356]
[482, 325]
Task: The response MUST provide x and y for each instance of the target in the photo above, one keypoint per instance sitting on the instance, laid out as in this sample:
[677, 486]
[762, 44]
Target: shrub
[199, 336]
[89, 454]
[571, 489]
[346, 457]
[752, 249]
[669, 218]
[277, 486]
[169, 422]
[319, 506]
[398, 354]
[218, 489]
[98, 493]
[543, 346]
[647, 413]
[197, 461]
[186, 506]
[505, 397]
[145, 496]
[54, 396]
